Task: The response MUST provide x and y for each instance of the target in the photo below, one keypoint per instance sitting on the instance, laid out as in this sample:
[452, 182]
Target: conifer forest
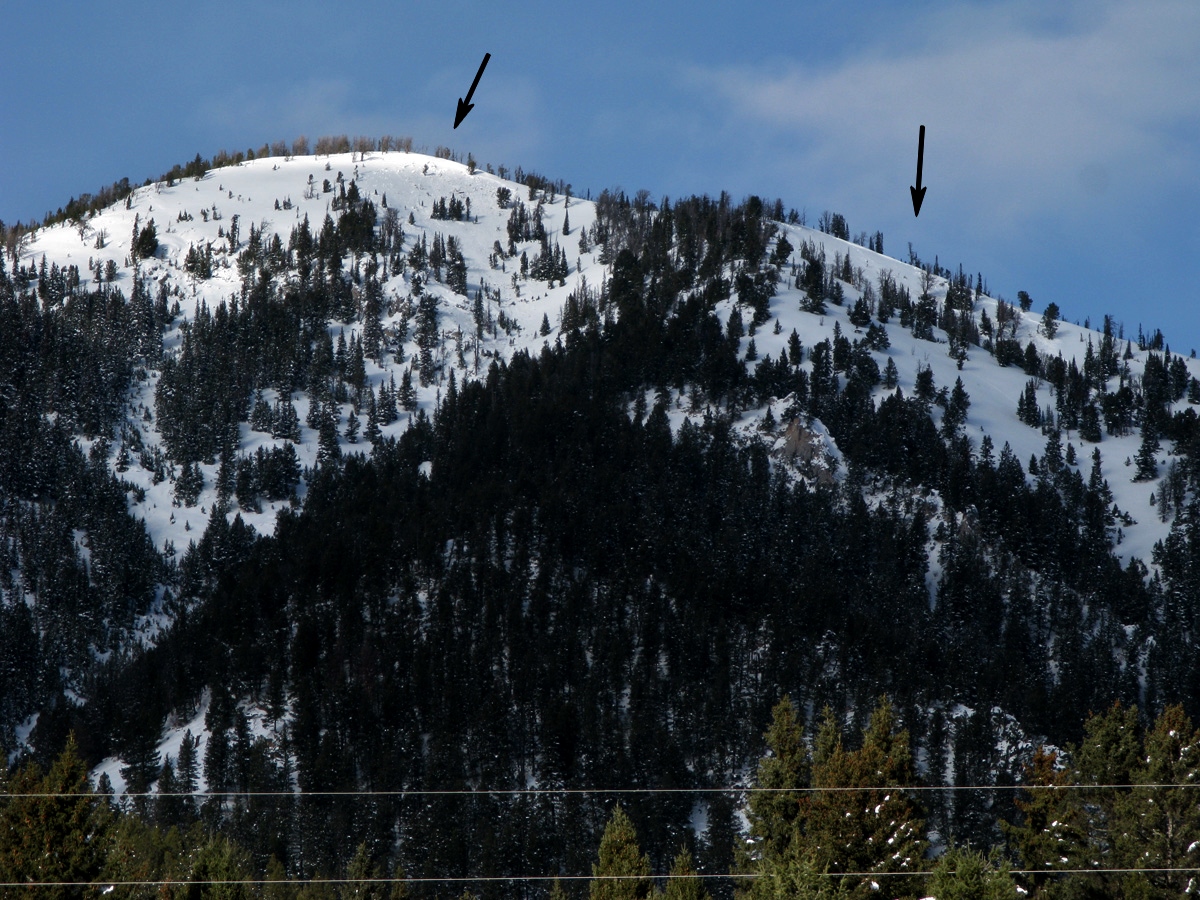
[416, 528]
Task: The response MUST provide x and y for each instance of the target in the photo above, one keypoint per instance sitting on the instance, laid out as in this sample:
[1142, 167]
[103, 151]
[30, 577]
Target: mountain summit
[376, 470]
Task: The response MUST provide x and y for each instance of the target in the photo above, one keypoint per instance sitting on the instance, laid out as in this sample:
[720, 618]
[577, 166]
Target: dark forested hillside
[77, 568]
[576, 567]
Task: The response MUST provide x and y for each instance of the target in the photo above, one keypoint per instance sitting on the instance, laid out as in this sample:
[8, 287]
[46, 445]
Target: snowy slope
[411, 183]
[993, 390]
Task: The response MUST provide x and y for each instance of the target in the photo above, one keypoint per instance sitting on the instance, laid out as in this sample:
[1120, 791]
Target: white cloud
[1022, 119]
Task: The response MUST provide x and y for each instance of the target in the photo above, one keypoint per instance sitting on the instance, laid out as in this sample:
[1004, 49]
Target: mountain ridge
[634, 381]
[380, 171]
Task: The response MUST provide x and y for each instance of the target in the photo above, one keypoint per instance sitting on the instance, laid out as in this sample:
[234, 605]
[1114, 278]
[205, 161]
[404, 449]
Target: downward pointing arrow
[465, 106]
[918, 192]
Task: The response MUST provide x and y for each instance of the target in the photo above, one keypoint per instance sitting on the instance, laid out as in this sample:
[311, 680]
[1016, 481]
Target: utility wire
[432, 879]
[535, 792]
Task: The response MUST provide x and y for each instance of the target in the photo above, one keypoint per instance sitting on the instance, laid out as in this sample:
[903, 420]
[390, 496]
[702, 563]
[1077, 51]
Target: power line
[442, 879]
[109, 885]
[534, 792]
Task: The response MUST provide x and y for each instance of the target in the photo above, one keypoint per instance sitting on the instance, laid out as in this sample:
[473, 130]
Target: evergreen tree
[388, 412]
[956, 407]
[891, 375]
[1050, 321]
[1145, 461]
[372, 337]
[147, 242]
[924, 388]
[359, 869]
[878, 828]
[356, 369]
[735, 328]
[61, 836]
[1052, 456]
[773, 812]
[965, 874]
[796, 877]
[799, 841]
[795, 351]
[187, 767]
[814, 287]
[277, 886]
[168, 809]
[139, 851]
[1032, 361]
[408, 393]
[1159, 828]
[217, 762]
[260, 413]
[427, 335]
[782, 252]
[217, 859]
[683, 883]
[860, 315]
[143, 761]
[189, 484]
[1028, 410]
[399, 889]
[372, 432]
[1089, 424]
[1053, 830]
[623, 871]
[877, 338]
[285, 423]
[328, 449]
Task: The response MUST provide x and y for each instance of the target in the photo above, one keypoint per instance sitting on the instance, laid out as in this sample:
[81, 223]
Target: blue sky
[1062, 150]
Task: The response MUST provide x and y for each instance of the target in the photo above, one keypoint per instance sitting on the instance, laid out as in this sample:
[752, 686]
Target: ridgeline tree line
[829, 815]
[78, 209]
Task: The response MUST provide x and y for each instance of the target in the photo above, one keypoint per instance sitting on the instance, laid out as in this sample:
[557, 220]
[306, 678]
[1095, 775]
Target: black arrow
[465, 106]
[918, 192]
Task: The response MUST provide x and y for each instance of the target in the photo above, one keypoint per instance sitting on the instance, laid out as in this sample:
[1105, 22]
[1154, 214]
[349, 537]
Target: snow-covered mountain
[509, 297]
[274, 194]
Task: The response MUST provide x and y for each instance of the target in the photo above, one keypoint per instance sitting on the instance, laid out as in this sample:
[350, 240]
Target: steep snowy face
[429, 271]
[497, 265]
[496, 262]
